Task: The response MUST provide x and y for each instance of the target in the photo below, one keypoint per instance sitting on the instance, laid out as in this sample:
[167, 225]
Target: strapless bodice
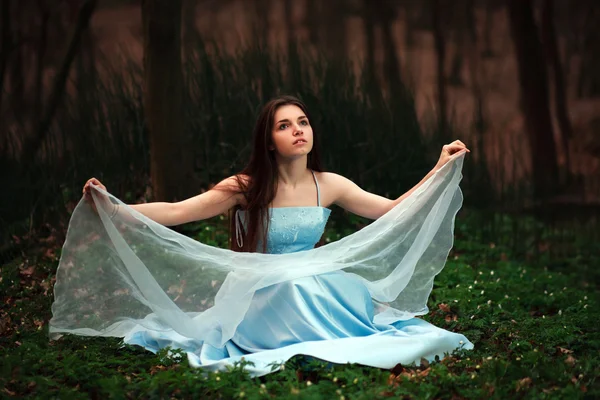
[293, 229]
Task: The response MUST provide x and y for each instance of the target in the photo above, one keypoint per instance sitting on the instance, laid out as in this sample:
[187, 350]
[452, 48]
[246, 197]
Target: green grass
[534, 326]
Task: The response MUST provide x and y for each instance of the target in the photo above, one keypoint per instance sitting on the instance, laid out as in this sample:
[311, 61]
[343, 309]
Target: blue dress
[328, 316]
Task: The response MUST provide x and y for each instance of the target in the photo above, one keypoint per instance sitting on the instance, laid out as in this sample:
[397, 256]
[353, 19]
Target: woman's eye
[304, 122]
[282, 127]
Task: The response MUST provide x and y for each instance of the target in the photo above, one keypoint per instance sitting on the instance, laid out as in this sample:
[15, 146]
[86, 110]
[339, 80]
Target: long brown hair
[258, 180]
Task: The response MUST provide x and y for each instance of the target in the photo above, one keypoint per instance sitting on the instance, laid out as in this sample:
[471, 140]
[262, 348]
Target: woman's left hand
[450, 152]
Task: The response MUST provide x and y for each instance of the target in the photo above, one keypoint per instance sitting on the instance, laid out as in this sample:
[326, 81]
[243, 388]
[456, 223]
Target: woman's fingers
[457, 147]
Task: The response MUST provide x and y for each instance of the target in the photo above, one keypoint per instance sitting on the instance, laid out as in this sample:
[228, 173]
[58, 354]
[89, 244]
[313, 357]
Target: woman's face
[292, 134]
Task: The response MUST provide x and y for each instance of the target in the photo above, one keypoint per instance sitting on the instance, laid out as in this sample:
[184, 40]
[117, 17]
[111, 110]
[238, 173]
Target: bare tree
[163, 99]
[5, 43]
[440, 50]
[534, 97]
[34, 141]
[588, 84]
[326, 22]
[560, 95]
[369, 26]
[387, 12]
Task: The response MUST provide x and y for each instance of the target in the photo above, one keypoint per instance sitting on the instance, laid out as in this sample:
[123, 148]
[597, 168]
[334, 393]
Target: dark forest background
[157, 99]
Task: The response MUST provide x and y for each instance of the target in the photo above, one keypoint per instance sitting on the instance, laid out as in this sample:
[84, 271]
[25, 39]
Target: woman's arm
[223, 196]
[218, 200]
[351, 197]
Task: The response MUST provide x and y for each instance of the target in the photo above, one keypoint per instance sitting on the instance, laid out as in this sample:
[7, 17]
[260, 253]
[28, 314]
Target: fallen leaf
[565, 351]
[50, 254]
[27, 271]
[523, 383]
[156, 368]
[570, 360]
[444, 307]
[397, 370]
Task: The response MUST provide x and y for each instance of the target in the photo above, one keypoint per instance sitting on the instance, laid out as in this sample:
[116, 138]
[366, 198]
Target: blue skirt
[328, 316]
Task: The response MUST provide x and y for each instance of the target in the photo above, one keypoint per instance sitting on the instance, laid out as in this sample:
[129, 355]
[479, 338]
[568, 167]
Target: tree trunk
[369, 24]
[488, 27]
[386, 16]
[588, 82]
[5, 42]
[560, 96]
[533, 79]
[38, 95]
[34, 142]
[440, 49]
[170, 170]
[332, 29]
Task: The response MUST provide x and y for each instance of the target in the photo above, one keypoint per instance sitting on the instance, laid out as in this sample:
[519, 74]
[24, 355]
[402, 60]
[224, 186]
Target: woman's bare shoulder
[329, 178]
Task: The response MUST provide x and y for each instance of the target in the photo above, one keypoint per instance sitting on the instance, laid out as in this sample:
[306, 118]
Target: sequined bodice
[292, 229]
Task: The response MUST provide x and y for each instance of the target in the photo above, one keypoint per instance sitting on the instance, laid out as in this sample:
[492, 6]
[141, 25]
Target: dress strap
[318, 190]
[238, 228]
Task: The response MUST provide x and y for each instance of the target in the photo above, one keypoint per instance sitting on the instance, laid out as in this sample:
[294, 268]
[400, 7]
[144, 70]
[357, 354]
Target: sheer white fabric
[116, 274]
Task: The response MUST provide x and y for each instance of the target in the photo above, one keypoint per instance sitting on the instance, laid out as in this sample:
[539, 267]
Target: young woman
[334, 302]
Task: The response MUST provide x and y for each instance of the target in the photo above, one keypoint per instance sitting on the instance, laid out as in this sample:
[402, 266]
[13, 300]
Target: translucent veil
[120, 274]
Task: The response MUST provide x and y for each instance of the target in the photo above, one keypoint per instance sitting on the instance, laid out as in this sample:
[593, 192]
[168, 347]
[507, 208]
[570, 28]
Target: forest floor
[534, 326]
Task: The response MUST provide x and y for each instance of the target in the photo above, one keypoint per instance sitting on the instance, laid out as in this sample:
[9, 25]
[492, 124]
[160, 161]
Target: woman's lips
[299, 142]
